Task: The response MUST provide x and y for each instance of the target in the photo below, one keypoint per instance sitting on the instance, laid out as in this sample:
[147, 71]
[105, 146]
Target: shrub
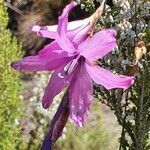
[9, 87]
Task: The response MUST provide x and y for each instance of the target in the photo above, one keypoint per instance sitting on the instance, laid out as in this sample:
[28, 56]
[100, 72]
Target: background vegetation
[10, 106]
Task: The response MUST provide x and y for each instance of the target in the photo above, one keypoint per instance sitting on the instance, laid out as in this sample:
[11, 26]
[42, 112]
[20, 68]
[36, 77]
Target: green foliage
[88, 5]
[9, 87]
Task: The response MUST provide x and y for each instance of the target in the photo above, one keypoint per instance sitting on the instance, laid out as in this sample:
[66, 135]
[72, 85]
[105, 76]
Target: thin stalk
[124, 120]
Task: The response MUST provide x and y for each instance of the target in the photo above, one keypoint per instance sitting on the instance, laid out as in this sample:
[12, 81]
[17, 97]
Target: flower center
[70, 67]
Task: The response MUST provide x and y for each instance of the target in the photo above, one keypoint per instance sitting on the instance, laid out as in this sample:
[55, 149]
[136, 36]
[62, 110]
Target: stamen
[61, 75]
[69, 68]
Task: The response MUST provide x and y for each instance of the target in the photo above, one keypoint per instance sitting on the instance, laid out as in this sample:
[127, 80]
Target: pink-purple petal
[61, 37]
[50, 31]
[49, 48]
[74, 25]
[80, 34]
[50, 60]
[98, 45]
[108, 79]
[45, 31]
[57, 83]
[80, 96]
[31, 63]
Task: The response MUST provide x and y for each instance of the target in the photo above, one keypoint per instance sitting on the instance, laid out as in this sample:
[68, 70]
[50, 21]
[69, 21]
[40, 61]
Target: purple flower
[72, 56]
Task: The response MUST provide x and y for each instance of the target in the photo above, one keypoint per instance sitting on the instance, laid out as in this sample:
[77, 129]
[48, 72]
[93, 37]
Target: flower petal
[80, 95]
[61, 37]
[79, 35]
[98, 45]
[108, 79]
[50, 31]
[74, 25]
[50, 60]
[57, 83]
[45, 31]
[49, 48]
[61, 34]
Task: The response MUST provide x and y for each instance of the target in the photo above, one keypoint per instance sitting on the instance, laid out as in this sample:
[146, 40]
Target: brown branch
[13, 8]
